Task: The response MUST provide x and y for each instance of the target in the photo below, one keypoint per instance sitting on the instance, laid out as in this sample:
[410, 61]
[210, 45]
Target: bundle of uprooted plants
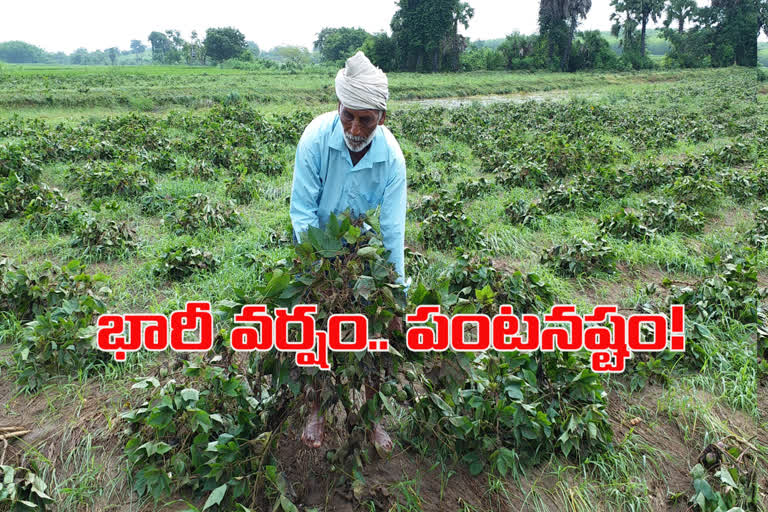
[342, 268]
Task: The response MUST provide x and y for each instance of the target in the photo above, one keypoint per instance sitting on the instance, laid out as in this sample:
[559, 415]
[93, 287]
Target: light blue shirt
[325, 182]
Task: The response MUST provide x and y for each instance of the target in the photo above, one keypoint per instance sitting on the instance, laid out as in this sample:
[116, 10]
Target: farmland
[138, 190]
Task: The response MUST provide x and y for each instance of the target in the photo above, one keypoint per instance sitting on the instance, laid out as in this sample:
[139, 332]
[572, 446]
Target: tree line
[425, 37]
[721, 34]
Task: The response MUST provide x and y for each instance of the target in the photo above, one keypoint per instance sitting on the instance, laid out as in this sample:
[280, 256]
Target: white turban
[362, 86]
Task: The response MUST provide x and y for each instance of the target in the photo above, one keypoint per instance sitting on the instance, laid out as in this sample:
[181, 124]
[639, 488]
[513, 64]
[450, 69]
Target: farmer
[348, 159]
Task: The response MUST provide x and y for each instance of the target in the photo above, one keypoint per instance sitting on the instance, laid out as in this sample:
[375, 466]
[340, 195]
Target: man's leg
[379, 437]
[314, 429]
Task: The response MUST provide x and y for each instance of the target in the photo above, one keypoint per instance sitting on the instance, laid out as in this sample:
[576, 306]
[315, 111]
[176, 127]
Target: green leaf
[513, 391]
[475, 468]
[364, 287]
[216, 496]
[367, 252]
[726, 478]
[190, 394]
[287, 505]
[279, 282]
[146, 381]
[323, 243]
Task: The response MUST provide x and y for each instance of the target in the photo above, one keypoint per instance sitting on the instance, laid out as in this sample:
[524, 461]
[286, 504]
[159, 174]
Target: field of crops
[138, 191]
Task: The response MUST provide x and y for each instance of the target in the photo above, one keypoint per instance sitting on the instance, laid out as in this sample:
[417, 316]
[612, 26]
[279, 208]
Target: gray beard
[357, 144]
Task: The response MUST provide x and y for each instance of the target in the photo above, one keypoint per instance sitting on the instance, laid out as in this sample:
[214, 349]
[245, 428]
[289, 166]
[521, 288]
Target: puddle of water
[459, 101]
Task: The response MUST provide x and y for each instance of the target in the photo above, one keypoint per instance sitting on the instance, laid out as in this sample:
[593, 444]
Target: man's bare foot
[314, 430]
[381, 440]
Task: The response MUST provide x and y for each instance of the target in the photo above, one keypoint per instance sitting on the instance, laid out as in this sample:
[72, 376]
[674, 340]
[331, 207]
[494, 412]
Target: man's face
[359, 126]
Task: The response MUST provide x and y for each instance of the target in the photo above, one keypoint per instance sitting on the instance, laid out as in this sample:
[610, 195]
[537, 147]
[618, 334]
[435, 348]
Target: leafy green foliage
[696, 190]
[108, 179]
[50, 212]
[161, 162]
[59, 341]
[758, 235]
[209, 431]
[19, 160]
[27, 294]
[242, 188]
[564, 197]
[44, 209]
[198, 169]
[343, 270]
[729, 484]
[668, 216]
[467, 190]
[15, 194]
[181, 261]
[103, 239]
[22, 489]
[447, 230]
[199, 211]
[224, 43]
[510, 410]
[155, 202]
[472, 285]
[626, 225]
[731, 294]
[425, 180]
[524, 213]
[440, 202]
[577, 257]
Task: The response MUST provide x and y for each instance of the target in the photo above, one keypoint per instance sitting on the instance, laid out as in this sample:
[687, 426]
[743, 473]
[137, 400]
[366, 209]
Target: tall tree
[424, 30]
[137, 46]
[647, 10]
[680, 11]
[253, 48]
[629, 14]
[454, 44]
[339, 43]
[20, 52]
[380, 48]
[558, 20]
[737, 23]
[577, 10]
[224, 43]
[194, 51]
[624, 24]
[161, 46]
[762, 20]
[112, 53]
[79, 57]
[553, 27]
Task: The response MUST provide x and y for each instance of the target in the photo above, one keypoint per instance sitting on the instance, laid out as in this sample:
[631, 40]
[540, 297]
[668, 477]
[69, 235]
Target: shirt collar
[378, 151]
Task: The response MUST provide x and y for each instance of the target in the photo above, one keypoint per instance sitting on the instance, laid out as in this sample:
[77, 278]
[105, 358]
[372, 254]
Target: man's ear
[383, 117]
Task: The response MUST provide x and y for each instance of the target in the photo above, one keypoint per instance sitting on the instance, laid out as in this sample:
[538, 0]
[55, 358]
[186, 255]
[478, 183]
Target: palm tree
[552, 16]
[679, 10]
[558, 20]
[575, 10]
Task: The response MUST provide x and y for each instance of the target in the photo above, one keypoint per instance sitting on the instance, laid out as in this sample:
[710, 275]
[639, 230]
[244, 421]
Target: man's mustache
[354, 138]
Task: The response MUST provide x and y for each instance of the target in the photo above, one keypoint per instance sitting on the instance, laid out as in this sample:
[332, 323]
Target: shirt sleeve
[392, 217]
[305, 191]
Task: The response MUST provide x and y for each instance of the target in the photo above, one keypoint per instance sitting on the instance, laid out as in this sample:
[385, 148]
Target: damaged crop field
[636, 190]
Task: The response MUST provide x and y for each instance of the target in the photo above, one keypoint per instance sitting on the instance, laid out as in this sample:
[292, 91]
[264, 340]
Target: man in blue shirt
[349, 159]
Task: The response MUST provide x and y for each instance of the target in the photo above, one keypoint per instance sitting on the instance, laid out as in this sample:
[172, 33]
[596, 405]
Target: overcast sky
[58, 25]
